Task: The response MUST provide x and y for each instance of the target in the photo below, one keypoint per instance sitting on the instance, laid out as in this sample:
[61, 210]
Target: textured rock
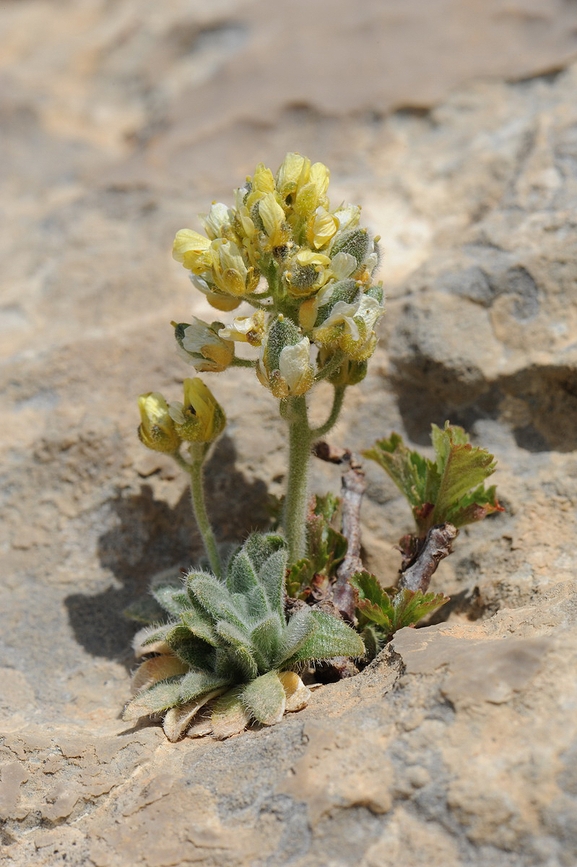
[455, 125]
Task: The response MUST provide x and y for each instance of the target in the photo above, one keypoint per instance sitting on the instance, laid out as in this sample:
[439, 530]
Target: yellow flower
[246, 329]
[230, 274]
[274, 221]
[321, 227]
[262, 183]
[157, 430]
[312, 194]
[192, 250]
[200, 418]
[201, 345]
[289, 174]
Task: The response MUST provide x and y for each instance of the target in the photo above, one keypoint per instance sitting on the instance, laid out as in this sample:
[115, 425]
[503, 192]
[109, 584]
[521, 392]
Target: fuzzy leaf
[260, 546]
[172, 599]
[216, 600]
[195, 652]
[331, 637]
[158, 668]
[271, 577]
[154, 699]
[265, 699]
[300, 627]
[448, 489]
[411, 606]
[229, 715]
[266, 638]
[197, 683]
[242, 580]
[151, 639]
[178, 719]
[199, 623]
[240, 649]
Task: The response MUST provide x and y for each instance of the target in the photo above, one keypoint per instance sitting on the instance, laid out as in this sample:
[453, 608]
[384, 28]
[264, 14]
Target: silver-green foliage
[232, 636]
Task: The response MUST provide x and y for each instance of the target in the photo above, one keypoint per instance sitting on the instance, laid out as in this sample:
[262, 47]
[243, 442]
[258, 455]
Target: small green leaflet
[447, 489]
[389, 610]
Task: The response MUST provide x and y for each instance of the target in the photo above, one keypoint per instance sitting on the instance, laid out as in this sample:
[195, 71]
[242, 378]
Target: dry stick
[353, 486]
[437, 546]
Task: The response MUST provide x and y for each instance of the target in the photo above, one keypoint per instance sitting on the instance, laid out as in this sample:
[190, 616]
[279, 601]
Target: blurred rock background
[454, 124]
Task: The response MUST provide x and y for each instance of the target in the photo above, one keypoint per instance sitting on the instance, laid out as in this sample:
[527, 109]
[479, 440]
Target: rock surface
[455, 125]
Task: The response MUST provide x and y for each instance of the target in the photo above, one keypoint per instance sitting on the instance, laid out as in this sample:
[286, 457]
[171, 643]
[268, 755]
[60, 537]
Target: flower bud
[355, 242]
[307, 272]
[202, 346]
[200, 418]
[350, 327]
[349, 373]
[315, 311]
[289, 173]
[157, 430]
[192, 251]
[284, 365]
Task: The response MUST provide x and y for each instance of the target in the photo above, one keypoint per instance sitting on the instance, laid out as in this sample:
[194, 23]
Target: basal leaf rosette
[228, 655]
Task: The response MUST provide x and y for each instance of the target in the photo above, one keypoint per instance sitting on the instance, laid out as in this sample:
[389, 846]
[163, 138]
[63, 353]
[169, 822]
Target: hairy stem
[198, 453]
[295, 511]
[331, 366]
[338, 398]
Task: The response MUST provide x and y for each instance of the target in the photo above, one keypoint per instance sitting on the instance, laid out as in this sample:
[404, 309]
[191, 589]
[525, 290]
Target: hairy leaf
[151, 639]
[154, 699]
[267, 637]
[229, 715]
[239, 648]
[172, 599]
[271, 576]
[265, 698]
[197, 683]
[331, 637]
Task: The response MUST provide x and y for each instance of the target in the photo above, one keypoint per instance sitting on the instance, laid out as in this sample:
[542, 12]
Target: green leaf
[199, 623]
[299, 628]
[154, 699]
[374, 604]
[239, 648]
[192, 650]
[390, 610]
[197, 683]
[299, 577]
[411, 606]
[271, 576]
[267, 637]
[331, 637]
[212, 595]
[265, 699]
[172, 599]
[149, 636]
[448, 489]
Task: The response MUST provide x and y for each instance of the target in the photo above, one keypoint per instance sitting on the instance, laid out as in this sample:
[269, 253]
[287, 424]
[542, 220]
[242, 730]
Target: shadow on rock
[539, 404]
[150, 536]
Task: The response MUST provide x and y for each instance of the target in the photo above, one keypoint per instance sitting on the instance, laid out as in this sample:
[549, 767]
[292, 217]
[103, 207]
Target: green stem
[295, 511]
[331, 366]
[338, 398]
[198, 452]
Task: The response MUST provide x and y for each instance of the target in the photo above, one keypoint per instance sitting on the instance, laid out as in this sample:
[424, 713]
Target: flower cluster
[308, 271]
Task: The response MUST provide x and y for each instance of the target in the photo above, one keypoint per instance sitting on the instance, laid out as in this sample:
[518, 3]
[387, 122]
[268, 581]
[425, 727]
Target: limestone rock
[454, 124]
